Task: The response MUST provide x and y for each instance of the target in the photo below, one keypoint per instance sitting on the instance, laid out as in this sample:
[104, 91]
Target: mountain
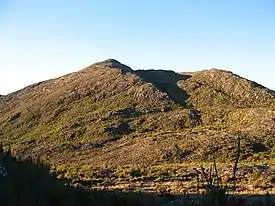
[110, 114]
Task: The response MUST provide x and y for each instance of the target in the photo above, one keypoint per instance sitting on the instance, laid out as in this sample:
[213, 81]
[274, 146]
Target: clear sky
[42, 39]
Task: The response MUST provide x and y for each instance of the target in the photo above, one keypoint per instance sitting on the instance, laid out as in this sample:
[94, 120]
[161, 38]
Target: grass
[33, 182]
[176, 178]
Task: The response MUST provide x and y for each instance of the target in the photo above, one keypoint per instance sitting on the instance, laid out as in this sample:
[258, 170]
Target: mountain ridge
[113, 63]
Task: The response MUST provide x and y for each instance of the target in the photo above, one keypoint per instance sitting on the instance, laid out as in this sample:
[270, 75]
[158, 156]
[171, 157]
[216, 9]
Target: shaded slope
[32, 183]
[166, 81]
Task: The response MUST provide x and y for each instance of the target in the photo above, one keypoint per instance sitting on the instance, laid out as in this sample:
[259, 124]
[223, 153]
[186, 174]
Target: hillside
[109, 114]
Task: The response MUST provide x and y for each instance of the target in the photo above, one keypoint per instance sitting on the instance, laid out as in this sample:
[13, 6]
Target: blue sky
[48, 38]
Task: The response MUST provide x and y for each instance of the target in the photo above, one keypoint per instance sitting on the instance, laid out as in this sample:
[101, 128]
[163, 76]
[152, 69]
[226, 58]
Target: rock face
[108, 113]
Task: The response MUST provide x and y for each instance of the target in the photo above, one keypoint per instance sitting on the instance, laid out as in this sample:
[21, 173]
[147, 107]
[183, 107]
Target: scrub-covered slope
[110, 114]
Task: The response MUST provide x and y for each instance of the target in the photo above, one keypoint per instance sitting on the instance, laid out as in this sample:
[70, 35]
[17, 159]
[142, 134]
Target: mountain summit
[110, 114]
[112, 63]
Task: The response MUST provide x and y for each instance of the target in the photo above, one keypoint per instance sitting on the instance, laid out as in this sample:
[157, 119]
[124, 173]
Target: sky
[48, 38]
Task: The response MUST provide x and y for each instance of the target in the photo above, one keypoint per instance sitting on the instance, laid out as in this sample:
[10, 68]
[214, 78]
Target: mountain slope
[110, 114]
[230, 101]
[222, 88]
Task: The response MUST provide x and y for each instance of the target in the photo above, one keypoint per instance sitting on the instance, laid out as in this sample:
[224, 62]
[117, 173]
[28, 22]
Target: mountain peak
[113, 63]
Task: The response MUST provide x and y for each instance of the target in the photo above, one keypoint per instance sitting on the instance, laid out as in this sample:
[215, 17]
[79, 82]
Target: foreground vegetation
[29, 182]
[255, 178]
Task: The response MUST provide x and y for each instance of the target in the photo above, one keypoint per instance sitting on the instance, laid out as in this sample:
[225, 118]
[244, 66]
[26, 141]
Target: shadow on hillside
[29, 182]
[166, 81]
